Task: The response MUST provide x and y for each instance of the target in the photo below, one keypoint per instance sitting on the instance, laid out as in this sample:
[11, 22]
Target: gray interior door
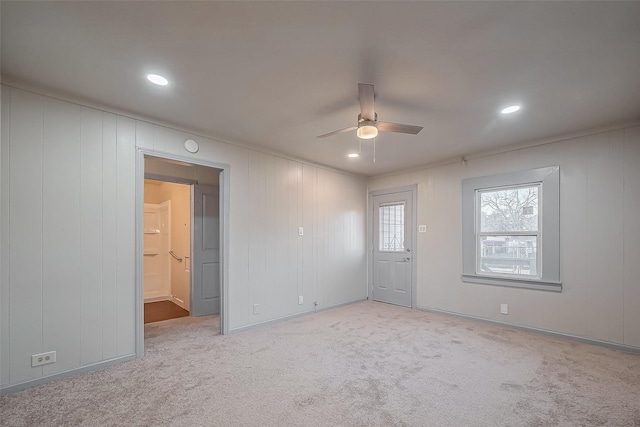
[205, 291]
[392, 256]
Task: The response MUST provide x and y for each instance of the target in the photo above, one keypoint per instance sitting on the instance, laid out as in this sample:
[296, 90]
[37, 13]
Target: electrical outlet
[300, 299]
[422, 229]
[43, 359]
[256, 308]
[504, 308]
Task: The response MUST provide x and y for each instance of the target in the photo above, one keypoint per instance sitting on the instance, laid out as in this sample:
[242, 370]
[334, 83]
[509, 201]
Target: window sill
[513, 282]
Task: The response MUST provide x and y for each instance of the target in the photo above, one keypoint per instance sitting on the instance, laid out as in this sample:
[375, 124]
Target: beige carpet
[367, 364]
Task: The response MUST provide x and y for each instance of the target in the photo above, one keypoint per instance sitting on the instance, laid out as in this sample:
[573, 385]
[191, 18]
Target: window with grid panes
[511, 229]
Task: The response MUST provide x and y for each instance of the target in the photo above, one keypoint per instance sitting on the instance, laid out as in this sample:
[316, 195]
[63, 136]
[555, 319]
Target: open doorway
[167, 250]
[181, 239]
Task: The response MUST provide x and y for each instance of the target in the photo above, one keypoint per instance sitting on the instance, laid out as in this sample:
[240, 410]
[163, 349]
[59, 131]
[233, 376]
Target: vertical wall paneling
[352, 232]
[300, 239]
[291, 263]
[158, 138]
[279, 297]
[109, 237]
[600, 237]
[320, 239]
[573, 240]
[67, 247]
[598, 213]
[125, 251]
[25, 235]
[616, 235]
[631, 208]
[259, 230]
[242, 215]
[316, 250]
[144, 135]
[308, 279]
[270, 236]
[331, 251]
[212, 150]
[5, 93]
[91, 209]
[61, 234]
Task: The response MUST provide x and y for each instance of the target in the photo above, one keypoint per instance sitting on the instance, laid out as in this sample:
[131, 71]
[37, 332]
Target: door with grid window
[392, 248]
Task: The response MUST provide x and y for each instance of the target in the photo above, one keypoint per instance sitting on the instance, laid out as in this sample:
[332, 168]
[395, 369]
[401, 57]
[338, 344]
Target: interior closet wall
[156, 246]
[180, 196]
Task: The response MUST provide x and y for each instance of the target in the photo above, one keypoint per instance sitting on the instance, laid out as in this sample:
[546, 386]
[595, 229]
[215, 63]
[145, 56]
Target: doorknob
[408, 249]
[407, 259]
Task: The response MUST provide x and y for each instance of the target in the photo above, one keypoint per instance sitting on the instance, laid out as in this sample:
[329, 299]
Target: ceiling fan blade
[350, 128]
[365, 93]
[396, 127]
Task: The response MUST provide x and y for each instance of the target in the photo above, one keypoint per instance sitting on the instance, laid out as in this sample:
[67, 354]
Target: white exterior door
[392, 248]
[205, 295]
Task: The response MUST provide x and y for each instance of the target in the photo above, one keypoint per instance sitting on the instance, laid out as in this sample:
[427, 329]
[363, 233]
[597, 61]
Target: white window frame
[548, 235]
[479, 233]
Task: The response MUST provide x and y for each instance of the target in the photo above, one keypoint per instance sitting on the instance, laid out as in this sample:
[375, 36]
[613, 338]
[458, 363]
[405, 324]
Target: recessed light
[353, 155]
[510, 109]
[157, 79]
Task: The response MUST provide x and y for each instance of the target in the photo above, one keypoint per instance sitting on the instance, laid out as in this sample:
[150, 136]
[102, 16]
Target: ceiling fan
[368, 125]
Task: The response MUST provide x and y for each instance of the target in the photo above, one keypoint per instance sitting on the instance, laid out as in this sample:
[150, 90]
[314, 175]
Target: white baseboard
[12, 388]
[293, 316]
[608, 344]
[177, 301]
[156, 299]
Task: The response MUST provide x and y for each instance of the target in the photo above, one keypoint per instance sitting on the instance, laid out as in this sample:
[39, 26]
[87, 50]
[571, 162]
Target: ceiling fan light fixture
[367, 131]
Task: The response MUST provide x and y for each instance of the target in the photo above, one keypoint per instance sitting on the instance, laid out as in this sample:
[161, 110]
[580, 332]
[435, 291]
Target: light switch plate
[300, 231]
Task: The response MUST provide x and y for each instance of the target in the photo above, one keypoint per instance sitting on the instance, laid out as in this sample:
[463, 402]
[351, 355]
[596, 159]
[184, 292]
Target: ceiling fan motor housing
[367, 129]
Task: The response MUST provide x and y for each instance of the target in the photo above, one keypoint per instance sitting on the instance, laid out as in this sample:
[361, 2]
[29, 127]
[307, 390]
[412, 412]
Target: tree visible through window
[511, 229]
[508, 231]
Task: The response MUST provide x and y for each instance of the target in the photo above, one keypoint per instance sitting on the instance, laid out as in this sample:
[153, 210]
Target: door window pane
[509, 209]
[508, 255]
[391, 227]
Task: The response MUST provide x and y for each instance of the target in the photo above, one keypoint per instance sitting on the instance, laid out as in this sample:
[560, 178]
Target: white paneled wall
[67, 216]
[600, 239]
[67, 258]
[271, 197]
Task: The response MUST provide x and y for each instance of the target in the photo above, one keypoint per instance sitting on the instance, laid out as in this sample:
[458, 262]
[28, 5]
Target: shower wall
[180, 231]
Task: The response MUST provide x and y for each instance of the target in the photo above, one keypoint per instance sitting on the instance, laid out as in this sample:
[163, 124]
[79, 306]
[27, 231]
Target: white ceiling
[277, 74]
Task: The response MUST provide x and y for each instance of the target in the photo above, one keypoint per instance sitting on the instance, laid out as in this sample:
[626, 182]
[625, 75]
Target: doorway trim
[413, 189]
[139, 220]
